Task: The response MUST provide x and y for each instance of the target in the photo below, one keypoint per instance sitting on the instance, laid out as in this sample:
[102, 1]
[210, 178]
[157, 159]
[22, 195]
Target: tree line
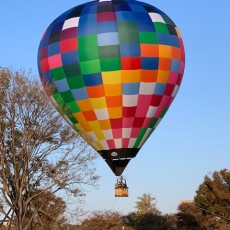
[43, 162]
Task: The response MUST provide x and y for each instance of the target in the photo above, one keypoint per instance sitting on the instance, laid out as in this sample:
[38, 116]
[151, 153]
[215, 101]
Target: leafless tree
[38, 150]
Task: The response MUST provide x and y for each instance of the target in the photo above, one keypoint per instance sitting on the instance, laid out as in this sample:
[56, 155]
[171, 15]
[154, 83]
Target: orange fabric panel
[165, 64]
[129, 76]
[115, 101]
[149, 75]
[176, 53]
[85, 105]
[89, 115]
[105, 124]
[149, 50]
[95, 91]
[113, 90]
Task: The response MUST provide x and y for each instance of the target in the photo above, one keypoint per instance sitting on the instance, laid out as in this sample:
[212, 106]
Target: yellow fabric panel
[105, 124]
[113, 77]
[98, 103]
[85, 105]
[115, 112]
[113, 90]
[178, 32]
[162, 76]
[99, 145]
[94, 125]
[99, 134]
[83, 122]
[165, 51]
[129, 76]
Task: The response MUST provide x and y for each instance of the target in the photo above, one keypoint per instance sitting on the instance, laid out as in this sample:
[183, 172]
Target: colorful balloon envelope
[115, 67]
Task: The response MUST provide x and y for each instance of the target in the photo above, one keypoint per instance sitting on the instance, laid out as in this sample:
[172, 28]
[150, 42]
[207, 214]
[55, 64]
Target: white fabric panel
[102, 114]
[70, 23]
[126, 132]
[174, 93]
[156, 17]
[105, 145]
[147, 88]
[129, 100]
[108, 134]
[152, 111]
[118, 143]
[132, 142]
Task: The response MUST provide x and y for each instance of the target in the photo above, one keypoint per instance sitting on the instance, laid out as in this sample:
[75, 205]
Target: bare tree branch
[39, 152]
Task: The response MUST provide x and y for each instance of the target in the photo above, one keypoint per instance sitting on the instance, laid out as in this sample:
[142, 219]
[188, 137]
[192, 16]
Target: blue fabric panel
[167, 39]
[80, 94]
[93, 79]
[146, 26]
[175, 67]
[91, 8]
[86, 30]
[62, 85]
[122, 7]
[89, 19]
[142, 16]
[64, 16]
[46, 38]
[70, 58]
[105, 27]
[130, 88]
[58, 27]
[107, 39]
[149, 63]
[54, 48]
[125, 15]
[130, 50]
[137, 8]
[159, 89]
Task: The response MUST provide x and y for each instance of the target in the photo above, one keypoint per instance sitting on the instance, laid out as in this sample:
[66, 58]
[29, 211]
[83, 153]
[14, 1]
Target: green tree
[146, 204]
[146, 216]
[147, 221]
[38, 150]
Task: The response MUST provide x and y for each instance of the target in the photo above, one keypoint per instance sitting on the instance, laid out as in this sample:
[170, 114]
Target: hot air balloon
[116, 65]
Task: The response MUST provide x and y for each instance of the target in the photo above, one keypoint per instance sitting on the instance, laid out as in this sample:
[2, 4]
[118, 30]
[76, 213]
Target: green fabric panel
[73, 120]
[161, 28]
[153, 122]
[140, 137]
[127, 26]
[129, 38]
[148, 38]
[164, 112]
[110, 64]
[58, 73]
[128, 32]
[112, 51]
[90, 67]
[88, 48]
[168, 20]
[72, 70]
[58, 98]
[73, 107]
[75, 82]
[67, 96]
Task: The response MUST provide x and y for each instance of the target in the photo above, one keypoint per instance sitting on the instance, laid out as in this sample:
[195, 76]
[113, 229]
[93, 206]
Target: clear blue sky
[193, 139]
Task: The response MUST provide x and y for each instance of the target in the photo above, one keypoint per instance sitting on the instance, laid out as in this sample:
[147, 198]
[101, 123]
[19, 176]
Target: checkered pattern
[117, 66]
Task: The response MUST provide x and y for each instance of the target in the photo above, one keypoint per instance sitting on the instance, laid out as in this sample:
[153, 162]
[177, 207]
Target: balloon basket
[121, 192]
[121, 188]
